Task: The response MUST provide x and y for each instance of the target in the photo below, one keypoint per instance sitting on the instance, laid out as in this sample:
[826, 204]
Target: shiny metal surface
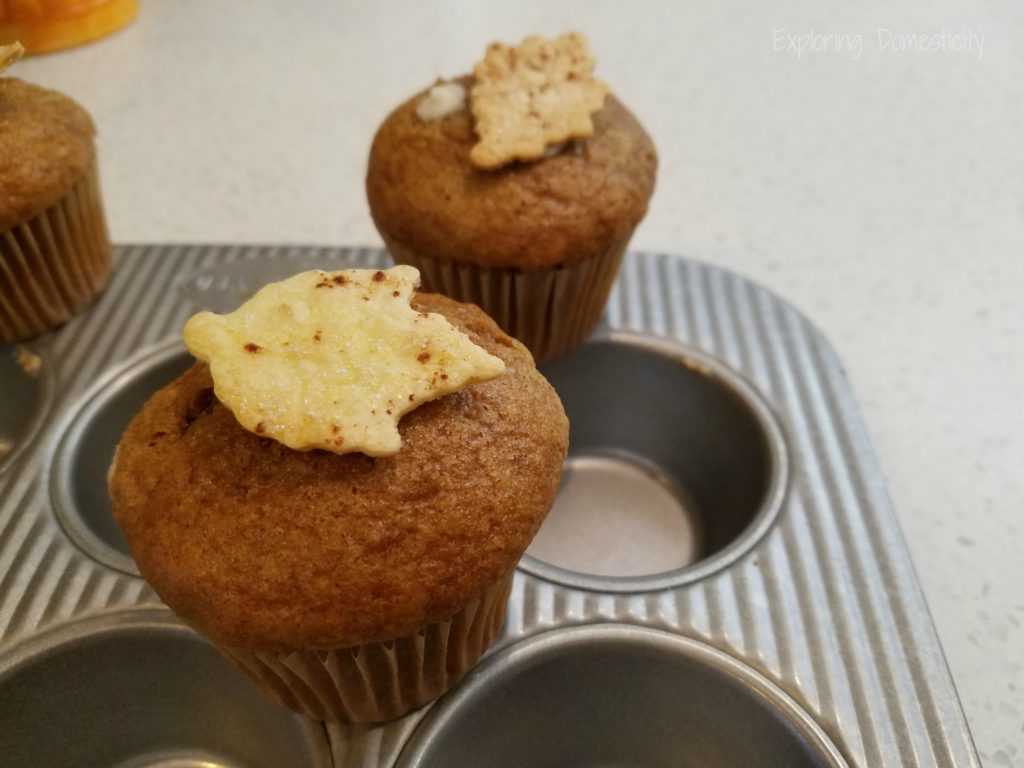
[618, 515]
[681, 459]
[78, 480]
[140, 690]
[823, 604]
[612, 695]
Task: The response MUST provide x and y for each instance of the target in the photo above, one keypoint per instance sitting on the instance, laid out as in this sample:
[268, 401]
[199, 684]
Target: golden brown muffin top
[426, 194]
[46, 145]
[265, 548]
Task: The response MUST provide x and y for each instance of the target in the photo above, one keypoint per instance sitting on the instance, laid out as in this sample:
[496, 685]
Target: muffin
[533, 233]
[345, 586]
[54, 248]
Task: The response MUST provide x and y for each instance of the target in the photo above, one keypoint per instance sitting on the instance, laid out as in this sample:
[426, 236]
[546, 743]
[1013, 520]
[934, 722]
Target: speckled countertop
[880, 189]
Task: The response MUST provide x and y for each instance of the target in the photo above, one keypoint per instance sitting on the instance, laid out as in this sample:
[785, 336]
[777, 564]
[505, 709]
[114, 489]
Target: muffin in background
[536, 243]
[345, 586]
[54, 248]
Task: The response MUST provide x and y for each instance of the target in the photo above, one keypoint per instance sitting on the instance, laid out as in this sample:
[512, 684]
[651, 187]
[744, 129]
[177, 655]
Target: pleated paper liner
[53, 265]
[551, 311]
[379, 681]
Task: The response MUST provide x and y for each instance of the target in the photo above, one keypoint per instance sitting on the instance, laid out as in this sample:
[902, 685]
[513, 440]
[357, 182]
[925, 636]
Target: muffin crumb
[441, 101]
[10, 54]
[29, 361]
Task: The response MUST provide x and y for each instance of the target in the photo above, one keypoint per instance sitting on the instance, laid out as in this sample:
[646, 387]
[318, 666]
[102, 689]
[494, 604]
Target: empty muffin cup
[616, 695]
[138, 689]
[676, 467]
[86, 451]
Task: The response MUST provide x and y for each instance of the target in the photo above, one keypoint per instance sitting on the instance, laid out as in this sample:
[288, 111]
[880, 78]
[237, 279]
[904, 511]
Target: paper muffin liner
[379, 681]
[551, 311]
[54, 264]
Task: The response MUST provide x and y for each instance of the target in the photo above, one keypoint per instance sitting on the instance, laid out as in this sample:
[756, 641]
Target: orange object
[49, 25]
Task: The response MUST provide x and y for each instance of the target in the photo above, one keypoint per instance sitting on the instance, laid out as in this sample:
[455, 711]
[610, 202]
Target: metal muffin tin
[721, 583]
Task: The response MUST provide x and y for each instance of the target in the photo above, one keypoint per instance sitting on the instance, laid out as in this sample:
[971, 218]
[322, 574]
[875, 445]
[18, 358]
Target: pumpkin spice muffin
[347, 587]
[54, 249]
[517, 189]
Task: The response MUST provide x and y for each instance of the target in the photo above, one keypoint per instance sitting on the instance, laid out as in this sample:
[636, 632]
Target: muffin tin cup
[53, 265]
[551, 311]
[379, 681]
[85, 452]
[614, 695]
[767, 600]
[139, 689]
[676, 467]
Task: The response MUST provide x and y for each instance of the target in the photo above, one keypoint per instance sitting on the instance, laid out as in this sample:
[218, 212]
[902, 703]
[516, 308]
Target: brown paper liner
[551, 311]
[379, 681]
[54, 264]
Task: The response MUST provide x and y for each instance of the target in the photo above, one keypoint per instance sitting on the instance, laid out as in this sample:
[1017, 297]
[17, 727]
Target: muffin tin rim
[40, 644]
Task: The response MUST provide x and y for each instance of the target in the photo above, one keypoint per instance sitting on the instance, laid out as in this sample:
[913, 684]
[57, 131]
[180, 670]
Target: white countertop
[883, 193]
